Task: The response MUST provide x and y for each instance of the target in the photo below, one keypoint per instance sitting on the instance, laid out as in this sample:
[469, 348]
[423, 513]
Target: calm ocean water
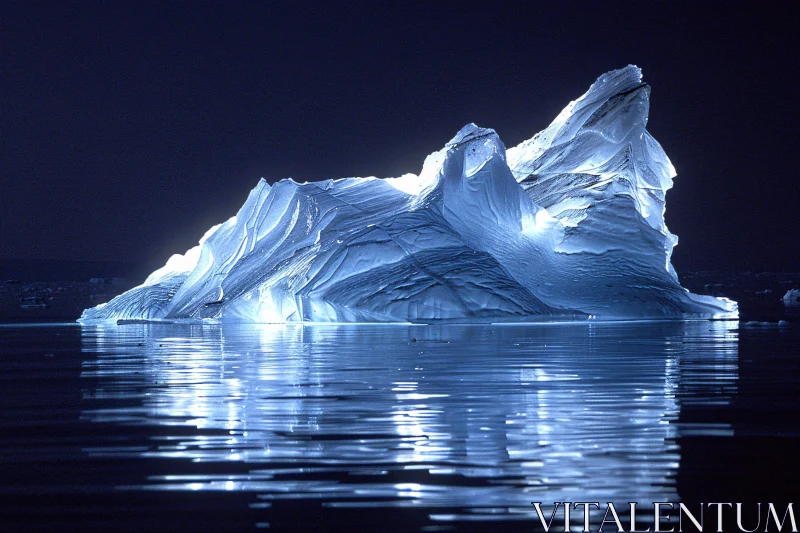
[387, 427]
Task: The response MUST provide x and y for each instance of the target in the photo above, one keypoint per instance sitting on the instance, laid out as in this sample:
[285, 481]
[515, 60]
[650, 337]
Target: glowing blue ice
[567, 224]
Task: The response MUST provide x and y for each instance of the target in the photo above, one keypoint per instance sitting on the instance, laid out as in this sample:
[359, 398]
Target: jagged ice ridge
[567, 225]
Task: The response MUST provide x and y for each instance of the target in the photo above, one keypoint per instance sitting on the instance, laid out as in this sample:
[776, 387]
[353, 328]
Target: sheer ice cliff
[567, 225]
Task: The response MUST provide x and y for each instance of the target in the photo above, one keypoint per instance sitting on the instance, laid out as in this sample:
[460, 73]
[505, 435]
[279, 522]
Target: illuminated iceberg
[567, 225]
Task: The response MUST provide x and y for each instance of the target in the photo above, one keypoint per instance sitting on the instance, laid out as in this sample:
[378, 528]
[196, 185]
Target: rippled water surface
[392, 427]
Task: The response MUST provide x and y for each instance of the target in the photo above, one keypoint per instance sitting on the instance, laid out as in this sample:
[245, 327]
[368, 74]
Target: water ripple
[481, 418]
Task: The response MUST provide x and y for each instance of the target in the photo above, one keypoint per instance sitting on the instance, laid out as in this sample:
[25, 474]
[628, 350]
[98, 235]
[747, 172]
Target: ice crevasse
[567, 225]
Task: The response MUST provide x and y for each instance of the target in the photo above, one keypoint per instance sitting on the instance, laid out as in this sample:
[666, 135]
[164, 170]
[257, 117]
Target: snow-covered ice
[567, 225]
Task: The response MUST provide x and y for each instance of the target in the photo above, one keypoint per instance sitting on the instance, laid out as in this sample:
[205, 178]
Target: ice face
[568, 224]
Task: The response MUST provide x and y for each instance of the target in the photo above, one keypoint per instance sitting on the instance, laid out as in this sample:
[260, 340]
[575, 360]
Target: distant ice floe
[567, 225]
[757, 324]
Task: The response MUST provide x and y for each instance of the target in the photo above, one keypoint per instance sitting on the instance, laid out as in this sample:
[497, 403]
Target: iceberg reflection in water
[484, 419]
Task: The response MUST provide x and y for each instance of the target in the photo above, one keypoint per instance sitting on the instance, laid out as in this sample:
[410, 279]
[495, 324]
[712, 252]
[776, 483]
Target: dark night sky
[126, 132]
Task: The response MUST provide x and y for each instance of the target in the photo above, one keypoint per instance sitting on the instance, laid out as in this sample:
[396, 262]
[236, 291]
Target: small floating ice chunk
[792, 297]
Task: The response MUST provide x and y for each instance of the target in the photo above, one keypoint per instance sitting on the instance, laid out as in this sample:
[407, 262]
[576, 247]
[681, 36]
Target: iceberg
[568, 225]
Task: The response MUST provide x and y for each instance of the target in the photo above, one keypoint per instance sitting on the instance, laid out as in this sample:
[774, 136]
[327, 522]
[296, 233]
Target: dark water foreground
[388, 428]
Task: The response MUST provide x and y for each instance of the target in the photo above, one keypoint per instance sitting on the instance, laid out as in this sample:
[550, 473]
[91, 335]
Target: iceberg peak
[567, 225]
[471, 133]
